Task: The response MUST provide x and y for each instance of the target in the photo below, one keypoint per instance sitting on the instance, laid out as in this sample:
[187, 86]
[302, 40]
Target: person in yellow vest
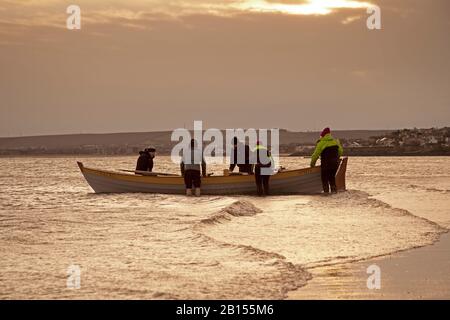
[329, 150]
[263, 160]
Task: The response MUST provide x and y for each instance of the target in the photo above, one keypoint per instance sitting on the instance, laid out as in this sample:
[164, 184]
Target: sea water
[148, 246]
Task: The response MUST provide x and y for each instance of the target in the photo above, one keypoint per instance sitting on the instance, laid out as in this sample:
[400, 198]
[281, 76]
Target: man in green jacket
[329, 150]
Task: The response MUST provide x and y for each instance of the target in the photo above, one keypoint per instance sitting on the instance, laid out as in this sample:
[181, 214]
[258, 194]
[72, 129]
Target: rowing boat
[299, 181]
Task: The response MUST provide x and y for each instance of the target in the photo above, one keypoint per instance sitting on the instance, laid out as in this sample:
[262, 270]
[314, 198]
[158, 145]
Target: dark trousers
[329, 177]
[262, 182]
[246, 168]
[192, 178]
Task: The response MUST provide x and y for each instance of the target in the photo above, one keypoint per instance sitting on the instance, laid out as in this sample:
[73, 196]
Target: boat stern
[340, 175]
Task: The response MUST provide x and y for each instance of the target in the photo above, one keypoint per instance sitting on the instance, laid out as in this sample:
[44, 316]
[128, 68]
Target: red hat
[325, 132]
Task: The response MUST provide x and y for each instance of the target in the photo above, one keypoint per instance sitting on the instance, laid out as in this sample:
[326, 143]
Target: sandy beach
[421, 273]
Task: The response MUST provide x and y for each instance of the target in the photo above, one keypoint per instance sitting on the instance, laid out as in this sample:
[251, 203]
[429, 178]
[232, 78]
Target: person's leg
[258, 180]
[188, 182]
[259, 186]
[324, 176]
[197, 183]
[266, 184]
[332, 179]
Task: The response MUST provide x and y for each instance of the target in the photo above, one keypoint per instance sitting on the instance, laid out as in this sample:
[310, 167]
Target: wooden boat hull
[301, 181]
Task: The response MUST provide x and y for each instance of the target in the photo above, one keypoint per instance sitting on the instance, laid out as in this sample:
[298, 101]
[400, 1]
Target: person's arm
[253, 158]
[315, 156]
[203, 167]
[150, 165]
[182, 168]
[269, 159]
[258, 158]
[137, 164]
[233, 161]
[247, 154]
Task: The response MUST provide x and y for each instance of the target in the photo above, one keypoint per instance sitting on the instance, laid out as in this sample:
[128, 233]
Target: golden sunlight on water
[161, 246]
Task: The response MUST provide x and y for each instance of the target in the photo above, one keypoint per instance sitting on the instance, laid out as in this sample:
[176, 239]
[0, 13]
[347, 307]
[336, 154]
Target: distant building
[387, 142]
[433, 140]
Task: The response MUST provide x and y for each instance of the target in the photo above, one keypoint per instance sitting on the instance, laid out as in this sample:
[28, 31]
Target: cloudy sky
[145, 65]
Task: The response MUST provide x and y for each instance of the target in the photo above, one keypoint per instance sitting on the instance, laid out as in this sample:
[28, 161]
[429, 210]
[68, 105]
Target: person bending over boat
[263, 160]
[329, 150]
[145, 160]
[192, 163]
[241, 152]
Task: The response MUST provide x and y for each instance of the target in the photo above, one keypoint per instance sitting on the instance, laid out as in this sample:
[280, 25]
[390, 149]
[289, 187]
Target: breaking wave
[236, 209]
[290, 276]
[312, 231]
[414, 186]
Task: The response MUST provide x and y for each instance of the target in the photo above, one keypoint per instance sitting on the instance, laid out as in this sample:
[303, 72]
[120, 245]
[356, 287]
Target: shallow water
[159, 246]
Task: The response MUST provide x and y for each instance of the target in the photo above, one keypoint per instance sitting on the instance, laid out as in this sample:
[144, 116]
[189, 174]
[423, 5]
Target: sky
[149, 65]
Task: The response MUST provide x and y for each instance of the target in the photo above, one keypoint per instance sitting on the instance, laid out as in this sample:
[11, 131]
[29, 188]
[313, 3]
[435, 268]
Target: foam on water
[237, 209]
[161, 246]
[346, 227]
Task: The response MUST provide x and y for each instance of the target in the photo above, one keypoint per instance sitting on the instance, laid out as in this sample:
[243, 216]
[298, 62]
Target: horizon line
[167, 130]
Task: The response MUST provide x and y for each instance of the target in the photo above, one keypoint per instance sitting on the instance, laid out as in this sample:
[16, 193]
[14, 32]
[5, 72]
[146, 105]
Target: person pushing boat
[241, 157]
[263, 161]
[329, 150]
[192, 162]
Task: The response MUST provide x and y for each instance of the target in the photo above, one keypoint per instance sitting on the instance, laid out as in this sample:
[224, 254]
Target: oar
[148, 173]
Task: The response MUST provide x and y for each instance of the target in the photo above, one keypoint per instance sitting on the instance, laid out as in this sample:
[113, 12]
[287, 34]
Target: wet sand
[422, 273]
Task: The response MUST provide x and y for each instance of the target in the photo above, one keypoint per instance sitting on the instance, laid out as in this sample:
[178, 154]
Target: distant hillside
[78, 140]
[128, 143]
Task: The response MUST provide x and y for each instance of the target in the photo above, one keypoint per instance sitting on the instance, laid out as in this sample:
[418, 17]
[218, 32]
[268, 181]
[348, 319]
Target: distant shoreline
[366, 152]
[374, 143]
[167, 155]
